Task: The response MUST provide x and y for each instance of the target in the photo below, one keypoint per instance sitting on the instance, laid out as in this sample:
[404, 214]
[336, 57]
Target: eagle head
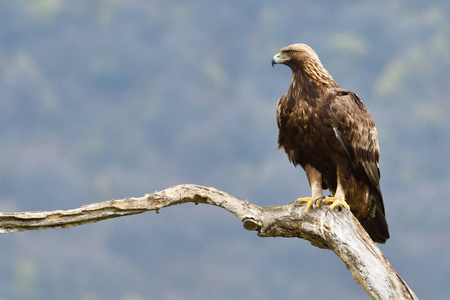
[295, 54]
[304, 63]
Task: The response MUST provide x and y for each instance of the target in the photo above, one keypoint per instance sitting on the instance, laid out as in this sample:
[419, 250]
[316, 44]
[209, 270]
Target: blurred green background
[113, 99]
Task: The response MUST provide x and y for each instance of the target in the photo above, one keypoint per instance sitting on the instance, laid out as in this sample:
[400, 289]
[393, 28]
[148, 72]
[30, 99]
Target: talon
[335, 202]
[318, 201]
[340, 202]
[309, 202]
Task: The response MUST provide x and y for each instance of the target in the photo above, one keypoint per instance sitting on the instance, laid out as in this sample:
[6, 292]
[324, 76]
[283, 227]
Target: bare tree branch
[338, 231]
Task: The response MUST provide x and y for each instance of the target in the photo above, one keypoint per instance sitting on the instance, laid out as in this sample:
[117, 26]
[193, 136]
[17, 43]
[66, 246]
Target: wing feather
[357, 134]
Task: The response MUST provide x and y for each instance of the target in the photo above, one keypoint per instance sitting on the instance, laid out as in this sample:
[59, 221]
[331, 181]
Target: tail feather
[375, 222]
[376, 227]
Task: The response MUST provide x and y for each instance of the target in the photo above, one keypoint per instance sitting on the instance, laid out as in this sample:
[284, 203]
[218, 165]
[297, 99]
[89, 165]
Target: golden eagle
[330, 133]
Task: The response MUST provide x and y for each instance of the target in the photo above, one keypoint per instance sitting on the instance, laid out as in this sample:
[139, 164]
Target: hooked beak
[277, 59]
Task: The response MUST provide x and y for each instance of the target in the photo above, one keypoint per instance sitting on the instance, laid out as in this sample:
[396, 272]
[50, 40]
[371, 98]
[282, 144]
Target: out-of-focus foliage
[109, 99]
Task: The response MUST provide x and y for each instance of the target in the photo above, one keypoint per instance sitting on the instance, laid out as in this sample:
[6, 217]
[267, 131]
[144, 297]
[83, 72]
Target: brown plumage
[329, 132]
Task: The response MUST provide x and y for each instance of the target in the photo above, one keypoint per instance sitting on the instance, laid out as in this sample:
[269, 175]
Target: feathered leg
[315, 182]
[339, 195]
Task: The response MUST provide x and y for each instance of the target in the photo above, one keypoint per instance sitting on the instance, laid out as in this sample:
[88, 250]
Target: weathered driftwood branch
[338, 231]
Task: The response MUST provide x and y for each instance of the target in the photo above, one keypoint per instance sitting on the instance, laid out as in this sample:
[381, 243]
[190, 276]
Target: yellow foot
[335, 202]
[309, 202]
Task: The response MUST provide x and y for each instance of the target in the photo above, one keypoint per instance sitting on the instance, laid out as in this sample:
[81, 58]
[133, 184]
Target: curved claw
[318, 199]
[336, 202]
[304, 216]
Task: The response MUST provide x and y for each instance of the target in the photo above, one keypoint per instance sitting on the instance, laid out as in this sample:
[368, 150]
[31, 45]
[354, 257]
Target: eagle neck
[309, 82]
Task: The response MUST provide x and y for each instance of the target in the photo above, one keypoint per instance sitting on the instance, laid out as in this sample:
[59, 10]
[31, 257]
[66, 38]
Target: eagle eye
[290, 53]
